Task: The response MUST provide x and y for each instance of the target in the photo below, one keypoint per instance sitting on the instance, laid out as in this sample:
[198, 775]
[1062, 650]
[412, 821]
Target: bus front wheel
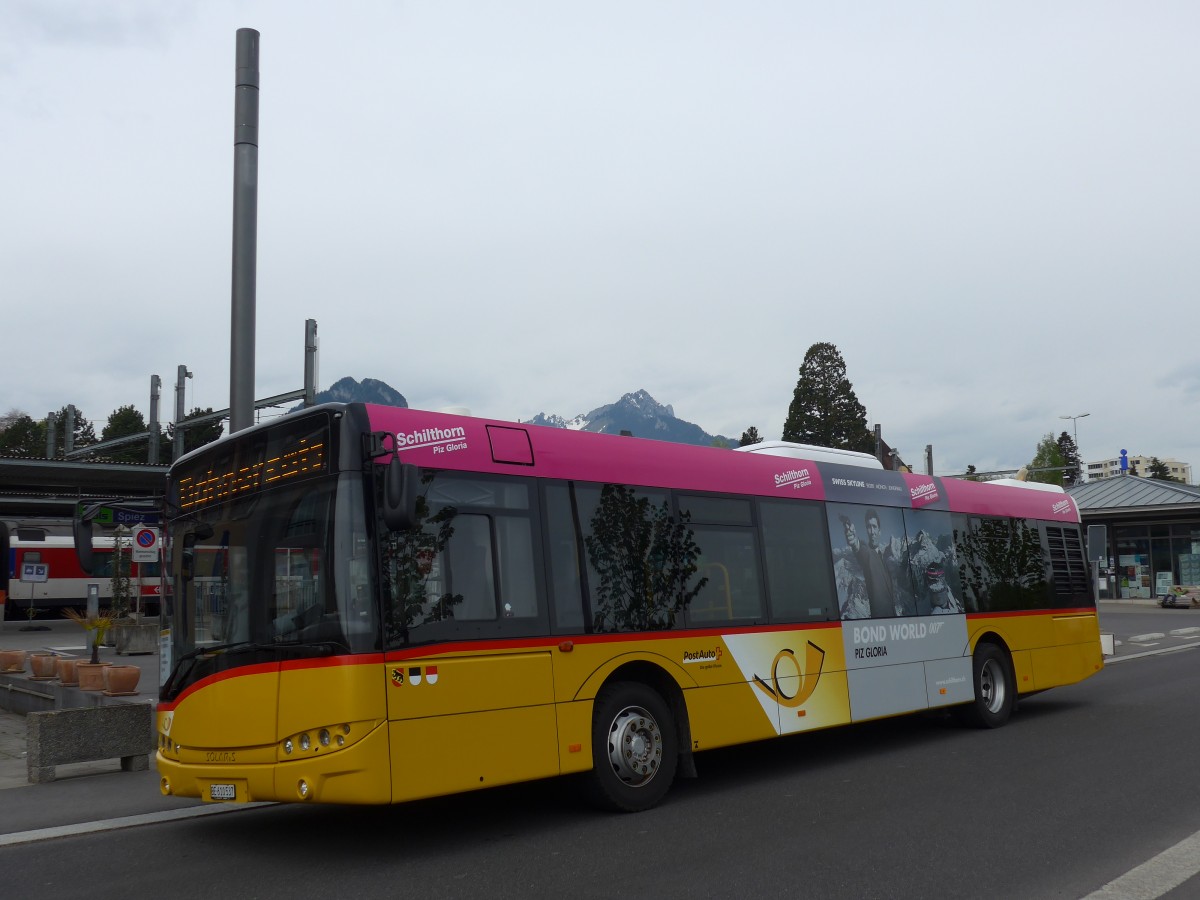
[995, 689]
[634, 748]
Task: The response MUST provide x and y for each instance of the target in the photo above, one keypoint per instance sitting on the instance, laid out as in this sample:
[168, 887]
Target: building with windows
[1107, 468]
[1152, 532]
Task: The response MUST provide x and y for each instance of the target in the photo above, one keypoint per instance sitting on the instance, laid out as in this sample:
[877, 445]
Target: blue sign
[1124, 461]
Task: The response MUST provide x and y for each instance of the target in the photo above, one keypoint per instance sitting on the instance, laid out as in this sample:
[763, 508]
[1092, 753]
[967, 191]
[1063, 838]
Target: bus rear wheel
[635, 750]
[995, 689]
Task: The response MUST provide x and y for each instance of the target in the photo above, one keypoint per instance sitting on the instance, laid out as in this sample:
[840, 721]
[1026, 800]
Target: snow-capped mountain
[641, 415]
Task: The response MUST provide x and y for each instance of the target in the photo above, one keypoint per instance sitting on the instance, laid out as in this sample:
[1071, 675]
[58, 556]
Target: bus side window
[562, 550]
[799, 577]
[469, 555]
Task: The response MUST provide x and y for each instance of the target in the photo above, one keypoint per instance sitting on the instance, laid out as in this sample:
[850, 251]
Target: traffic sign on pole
[145, 544]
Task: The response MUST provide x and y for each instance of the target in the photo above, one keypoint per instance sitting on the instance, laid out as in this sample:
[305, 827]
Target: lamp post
[1075, 428]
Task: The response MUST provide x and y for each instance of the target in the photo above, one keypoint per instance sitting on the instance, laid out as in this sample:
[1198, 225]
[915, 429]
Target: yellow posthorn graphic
[815, 659]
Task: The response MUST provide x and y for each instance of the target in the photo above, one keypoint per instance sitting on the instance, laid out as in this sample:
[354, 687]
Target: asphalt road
[1083, 785]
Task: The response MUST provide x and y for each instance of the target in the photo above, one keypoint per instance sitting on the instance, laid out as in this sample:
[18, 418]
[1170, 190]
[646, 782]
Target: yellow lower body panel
[447, 754]
[357, 774]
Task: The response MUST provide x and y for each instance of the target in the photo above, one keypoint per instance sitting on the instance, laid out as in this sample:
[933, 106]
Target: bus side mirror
[5, 563]
[82, 529]
[188, 557]
[400, 488]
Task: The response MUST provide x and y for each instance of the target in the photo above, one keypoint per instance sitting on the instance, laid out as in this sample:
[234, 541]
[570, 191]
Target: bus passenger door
[460, 723]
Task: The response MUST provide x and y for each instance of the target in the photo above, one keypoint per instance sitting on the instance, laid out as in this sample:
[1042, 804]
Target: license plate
[222, 792]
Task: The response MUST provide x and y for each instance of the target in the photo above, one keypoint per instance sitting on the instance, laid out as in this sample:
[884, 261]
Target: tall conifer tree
[1072, 474]
[825, 410]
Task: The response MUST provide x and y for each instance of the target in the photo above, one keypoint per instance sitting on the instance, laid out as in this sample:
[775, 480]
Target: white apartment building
[1106, 468]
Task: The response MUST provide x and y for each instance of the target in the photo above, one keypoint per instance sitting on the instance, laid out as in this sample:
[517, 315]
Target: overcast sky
[989, 208]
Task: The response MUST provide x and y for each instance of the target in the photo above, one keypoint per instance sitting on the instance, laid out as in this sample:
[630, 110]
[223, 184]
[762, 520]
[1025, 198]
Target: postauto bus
[371, 605]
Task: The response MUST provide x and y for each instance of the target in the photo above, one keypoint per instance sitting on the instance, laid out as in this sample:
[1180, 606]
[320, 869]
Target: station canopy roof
[1131, 496]
[53, 487]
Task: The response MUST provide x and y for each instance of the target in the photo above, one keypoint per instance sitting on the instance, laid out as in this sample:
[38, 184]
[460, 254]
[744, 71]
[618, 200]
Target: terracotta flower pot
[43, 665]
[66, 671]
[12, 660]
[91, 675]
[120, 680]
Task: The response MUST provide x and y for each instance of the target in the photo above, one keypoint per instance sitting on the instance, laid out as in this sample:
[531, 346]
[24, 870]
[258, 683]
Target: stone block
[61, 736]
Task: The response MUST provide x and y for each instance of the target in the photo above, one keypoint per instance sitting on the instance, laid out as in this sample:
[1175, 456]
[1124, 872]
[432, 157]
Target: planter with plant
[96, 626]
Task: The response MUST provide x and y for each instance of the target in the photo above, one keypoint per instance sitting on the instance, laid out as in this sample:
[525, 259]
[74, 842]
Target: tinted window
[1000, 564]
[727, 576]
[470, 570]
[799, 581]
[563, 553]
[642, 560]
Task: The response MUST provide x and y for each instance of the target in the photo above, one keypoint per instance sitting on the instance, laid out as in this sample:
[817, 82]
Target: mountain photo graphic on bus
[389, 596]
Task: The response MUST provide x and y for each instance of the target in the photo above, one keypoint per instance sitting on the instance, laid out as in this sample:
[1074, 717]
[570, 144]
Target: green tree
[749, 436]
[124, 422]
[20, 435]
[1047, 465]
[1159, 469]
[720, 443]
[1073, 473]
[825, 410]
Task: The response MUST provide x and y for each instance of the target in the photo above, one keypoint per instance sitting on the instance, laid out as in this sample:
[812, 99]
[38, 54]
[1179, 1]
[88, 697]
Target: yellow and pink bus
[371, 604]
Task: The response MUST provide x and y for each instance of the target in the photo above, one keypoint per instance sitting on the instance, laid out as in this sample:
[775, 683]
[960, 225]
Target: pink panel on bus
[922, 490]
[443, 441]
[439, 440]
[510, 445]
[986, 499]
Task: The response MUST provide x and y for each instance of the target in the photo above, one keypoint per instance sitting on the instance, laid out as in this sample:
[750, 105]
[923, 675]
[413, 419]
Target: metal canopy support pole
[51, 423]
[245, 232]
[69, 431]
[155, 392]
[310, 362]
[181, 374]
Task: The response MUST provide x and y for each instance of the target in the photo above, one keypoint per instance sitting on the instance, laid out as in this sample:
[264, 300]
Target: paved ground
[65, 638]
[97, 792]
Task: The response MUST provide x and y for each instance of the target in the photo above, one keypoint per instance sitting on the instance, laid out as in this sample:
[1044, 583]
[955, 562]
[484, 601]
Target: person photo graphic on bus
[877, 568]
[848, 575]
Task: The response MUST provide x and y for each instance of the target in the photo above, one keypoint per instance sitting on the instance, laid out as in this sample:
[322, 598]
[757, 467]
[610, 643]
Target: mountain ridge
[636, 412]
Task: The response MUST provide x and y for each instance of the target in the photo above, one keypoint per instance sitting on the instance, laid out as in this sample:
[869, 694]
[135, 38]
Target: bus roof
[814, 453]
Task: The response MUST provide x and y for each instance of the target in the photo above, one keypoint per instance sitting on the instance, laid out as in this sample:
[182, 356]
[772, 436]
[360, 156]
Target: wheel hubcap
[635, 746]
[991, 686]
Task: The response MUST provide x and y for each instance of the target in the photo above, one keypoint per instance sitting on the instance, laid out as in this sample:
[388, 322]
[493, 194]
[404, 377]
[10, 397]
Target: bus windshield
[276, 575]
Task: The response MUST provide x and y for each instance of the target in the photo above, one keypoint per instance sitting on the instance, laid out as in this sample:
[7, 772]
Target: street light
[1075, 428]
